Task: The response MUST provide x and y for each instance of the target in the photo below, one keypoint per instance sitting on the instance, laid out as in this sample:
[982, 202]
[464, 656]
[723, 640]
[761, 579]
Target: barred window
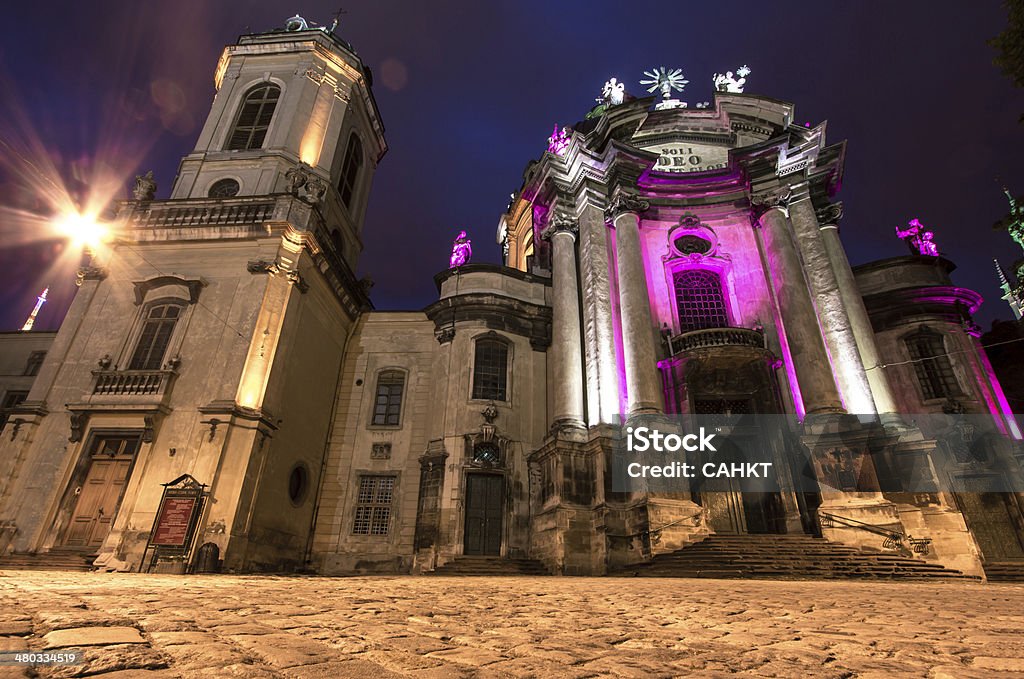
[254, 117]
[932, 365]
[490, 370]
[155, 336]
[350, 169]
[373, 507]
[699, 300]
[387, 408]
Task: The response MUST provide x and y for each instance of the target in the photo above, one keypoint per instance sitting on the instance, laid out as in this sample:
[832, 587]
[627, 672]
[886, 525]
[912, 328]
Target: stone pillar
[796, 308]
[566, 349]
[831, 308]
[860, 323]
[642, 380]
[602, 375]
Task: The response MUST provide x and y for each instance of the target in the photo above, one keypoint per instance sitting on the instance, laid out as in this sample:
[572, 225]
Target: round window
[298, 483]
[224, 188]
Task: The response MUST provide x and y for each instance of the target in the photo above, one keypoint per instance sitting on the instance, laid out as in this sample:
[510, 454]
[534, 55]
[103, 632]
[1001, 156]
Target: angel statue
[918, 238]
[462, 250]
[613, 93]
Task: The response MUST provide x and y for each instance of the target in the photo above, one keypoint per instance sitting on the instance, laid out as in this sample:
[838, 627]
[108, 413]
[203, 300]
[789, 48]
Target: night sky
[469, 92]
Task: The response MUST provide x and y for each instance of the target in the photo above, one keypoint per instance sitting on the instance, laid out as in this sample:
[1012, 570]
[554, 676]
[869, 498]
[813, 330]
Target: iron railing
[715, 337]
[893, 539]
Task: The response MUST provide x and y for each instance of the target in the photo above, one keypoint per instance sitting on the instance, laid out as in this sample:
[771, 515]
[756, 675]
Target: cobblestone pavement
[133, 626]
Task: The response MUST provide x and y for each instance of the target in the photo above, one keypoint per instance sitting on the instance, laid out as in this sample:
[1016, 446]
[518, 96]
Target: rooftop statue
[729, 83]
[462, 251]
[613, 93]
[918, 238]
[1014, 221]
[558, 142]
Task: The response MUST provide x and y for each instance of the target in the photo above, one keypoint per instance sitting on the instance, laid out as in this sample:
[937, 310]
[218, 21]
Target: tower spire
[40, 301]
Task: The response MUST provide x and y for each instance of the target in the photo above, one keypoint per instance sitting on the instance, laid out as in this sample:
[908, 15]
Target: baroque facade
[658, 261]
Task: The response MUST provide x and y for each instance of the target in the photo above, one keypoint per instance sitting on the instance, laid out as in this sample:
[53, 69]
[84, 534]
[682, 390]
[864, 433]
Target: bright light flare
[82, 230]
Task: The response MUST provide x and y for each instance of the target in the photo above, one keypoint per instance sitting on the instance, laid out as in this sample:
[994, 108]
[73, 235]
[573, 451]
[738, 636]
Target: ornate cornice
[623, 202]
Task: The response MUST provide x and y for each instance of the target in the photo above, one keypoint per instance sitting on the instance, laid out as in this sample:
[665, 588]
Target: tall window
[490, 370]
[932, 365]
[373, 505]
[155, 336]
[350, 169]
[254, 117]
[34, 363]
[387, 408]
[699, 300]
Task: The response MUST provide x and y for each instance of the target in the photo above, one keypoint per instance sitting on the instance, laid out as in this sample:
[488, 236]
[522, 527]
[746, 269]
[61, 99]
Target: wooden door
[100, 494]
[990, 518]
[484, 514]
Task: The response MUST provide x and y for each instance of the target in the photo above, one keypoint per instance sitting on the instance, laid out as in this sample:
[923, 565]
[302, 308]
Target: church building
[660, 260]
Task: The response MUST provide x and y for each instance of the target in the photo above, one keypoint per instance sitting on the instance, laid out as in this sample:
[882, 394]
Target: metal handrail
[893, 539]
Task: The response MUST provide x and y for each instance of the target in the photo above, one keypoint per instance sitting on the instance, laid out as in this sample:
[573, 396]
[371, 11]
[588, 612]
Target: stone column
[831, 307]
[796, 308]
[860, 323]
[566, 348]
[642, 381]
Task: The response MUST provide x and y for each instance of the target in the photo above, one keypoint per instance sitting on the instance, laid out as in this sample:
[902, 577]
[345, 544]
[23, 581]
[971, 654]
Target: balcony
[201, 212]
[711, 338]
[132, 382]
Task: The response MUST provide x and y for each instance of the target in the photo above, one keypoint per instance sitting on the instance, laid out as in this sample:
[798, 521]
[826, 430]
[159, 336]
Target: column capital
[560, 224]
[623, 202]
[776, 199]
[830, 214]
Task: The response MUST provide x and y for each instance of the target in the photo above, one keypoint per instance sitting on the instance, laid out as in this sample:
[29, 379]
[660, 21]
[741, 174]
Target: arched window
[699, 300]
[350, 169]
[155, 336]
[387, 408]
[932, 365]
[254, 117]
[490, 370]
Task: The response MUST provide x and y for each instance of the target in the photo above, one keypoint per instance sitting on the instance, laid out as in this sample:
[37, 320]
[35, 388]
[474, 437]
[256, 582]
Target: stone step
[48, 561]
[784, 556]
[490, 566]
[1004, 571]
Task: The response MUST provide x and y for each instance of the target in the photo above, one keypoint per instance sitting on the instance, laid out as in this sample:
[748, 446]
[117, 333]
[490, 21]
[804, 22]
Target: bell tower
[293, 113]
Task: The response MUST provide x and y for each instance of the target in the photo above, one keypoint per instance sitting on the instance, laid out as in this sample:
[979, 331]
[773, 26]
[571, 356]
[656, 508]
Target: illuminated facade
[659, 260]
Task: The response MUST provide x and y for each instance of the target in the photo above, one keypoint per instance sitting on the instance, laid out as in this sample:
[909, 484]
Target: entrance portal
[485, 495]
[110, 462]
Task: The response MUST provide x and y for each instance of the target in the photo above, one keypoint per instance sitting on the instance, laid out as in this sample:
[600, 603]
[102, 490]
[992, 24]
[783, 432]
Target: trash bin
[208, 558]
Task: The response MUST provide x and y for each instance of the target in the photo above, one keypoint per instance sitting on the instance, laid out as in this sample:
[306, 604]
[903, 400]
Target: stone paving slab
[134, 626]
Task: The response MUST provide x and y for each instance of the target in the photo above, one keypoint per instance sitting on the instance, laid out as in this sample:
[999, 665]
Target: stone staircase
[48, 561]
[490, 565]
[797, 557]
[1005, 571]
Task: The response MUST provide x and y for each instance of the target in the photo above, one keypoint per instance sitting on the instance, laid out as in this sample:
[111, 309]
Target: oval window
[298, 483]
[689, 245]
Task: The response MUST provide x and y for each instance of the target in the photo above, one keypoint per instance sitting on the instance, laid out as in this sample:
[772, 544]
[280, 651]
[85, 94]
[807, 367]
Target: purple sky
[469, 91]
